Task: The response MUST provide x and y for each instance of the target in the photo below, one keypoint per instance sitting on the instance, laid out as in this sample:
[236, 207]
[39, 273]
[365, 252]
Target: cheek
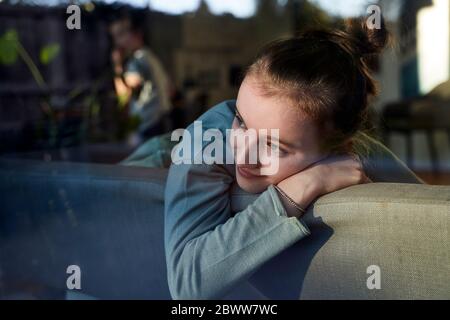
[287, 166]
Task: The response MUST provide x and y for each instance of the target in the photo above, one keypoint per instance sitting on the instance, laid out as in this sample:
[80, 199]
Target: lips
[246, 173]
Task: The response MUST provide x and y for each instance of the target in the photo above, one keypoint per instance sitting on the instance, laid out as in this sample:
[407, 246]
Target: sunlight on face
[298, 136]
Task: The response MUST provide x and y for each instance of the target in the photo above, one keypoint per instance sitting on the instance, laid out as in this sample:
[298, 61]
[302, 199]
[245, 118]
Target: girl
[313, 88]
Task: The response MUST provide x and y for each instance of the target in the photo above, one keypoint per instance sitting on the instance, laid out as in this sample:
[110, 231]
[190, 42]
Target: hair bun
[367, 40]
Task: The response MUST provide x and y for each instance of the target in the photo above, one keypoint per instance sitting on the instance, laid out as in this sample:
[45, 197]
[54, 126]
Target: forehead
[274, 112]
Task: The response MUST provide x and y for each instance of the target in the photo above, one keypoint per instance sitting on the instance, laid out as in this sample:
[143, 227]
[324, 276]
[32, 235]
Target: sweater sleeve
[209, 250]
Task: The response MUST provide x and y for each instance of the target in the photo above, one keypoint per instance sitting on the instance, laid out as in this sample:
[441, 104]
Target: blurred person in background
[140, 81]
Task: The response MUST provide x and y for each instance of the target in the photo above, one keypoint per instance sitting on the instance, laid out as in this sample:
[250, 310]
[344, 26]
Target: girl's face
[298, 138]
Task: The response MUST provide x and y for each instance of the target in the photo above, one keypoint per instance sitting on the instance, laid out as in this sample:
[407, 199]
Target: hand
[333, 174]
[117, 60]
[325, 177]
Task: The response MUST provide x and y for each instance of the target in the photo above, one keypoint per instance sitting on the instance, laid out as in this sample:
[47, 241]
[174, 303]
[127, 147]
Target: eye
[240, 122]
[276, 148]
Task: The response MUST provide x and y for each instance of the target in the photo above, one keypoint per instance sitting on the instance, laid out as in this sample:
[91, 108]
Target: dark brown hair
[326, 74]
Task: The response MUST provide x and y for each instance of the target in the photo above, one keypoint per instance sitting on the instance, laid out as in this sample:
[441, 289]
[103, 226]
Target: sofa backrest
[395, 233]
[108, 220]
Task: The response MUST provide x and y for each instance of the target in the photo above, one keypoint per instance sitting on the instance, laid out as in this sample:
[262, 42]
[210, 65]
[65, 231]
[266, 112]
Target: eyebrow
[287, 145]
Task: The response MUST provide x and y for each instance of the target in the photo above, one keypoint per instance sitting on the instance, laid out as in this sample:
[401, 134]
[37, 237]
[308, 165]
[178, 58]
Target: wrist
[313, 185]
[292, 208]
[302, 189]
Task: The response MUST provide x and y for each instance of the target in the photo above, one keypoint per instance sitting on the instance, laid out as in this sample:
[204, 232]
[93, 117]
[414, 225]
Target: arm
[125, 81]
[125, 85]
[209, 251]
[122, 90]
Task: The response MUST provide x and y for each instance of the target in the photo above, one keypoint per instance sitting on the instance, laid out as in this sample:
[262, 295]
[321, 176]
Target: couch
[108, 220]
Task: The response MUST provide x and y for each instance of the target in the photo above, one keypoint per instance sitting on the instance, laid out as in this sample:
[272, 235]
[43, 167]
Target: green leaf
[8, 47]
[48, 53]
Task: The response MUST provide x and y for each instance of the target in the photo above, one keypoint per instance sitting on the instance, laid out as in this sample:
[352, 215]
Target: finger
[367, 180]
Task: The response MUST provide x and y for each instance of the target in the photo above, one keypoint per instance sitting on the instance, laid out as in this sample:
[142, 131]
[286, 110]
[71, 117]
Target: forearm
[210, 265]
[122, 90]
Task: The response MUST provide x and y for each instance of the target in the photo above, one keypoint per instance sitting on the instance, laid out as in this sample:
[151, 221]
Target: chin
[253, 187]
